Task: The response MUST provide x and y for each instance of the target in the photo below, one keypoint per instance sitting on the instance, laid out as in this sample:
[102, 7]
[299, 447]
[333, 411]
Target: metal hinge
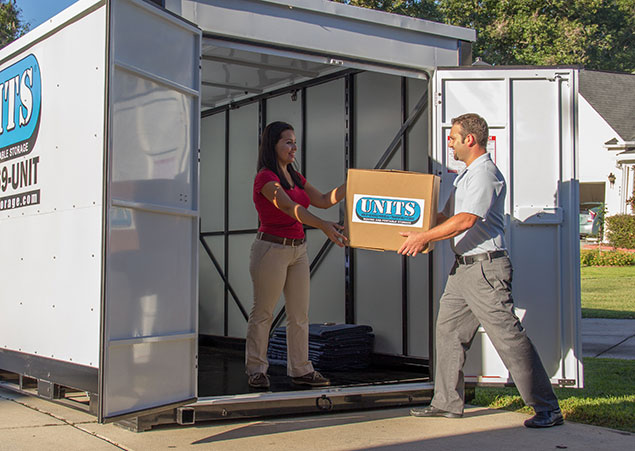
[566, 382]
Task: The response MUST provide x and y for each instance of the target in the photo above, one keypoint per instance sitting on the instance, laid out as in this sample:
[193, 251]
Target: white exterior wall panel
[53, 248]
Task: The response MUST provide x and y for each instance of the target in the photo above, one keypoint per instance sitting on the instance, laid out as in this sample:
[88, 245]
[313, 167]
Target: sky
[37, 11]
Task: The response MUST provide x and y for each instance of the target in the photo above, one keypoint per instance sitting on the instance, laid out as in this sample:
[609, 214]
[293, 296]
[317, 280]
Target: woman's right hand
[332, 231]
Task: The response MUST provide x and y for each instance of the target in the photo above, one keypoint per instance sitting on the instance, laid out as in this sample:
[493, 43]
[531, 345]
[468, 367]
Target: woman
[279, 261]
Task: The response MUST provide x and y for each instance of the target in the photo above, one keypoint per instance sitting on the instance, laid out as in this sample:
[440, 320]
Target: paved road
[29, 423]
[608, 338]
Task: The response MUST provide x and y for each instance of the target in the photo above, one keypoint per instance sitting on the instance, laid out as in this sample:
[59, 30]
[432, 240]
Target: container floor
[222, 372]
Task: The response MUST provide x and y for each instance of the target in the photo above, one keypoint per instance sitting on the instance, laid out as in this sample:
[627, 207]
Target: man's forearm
[451, 227]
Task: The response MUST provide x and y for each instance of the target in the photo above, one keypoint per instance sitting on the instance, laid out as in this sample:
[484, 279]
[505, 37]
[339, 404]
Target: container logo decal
[20, 106]
[397, 211]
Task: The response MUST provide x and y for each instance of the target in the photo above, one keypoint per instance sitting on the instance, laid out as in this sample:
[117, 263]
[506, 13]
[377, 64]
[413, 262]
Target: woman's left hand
[332, 231]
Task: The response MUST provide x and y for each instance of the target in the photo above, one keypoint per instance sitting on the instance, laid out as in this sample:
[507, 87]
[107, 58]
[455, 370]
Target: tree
[595, 33]
[11, 25]
[425, 9]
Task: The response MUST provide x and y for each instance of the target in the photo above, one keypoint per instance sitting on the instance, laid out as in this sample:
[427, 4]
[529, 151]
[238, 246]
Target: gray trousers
[480, 293]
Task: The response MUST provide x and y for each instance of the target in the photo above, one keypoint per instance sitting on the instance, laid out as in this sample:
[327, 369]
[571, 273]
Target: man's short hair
[473, 124]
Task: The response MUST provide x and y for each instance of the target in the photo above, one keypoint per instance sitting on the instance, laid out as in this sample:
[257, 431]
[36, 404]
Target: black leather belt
[469, 259]
[280, 240]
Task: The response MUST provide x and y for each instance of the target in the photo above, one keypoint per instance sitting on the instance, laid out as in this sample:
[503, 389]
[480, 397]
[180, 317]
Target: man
[478, 290]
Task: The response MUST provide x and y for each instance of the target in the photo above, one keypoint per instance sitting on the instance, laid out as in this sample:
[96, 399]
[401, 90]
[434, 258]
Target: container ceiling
[230, 74]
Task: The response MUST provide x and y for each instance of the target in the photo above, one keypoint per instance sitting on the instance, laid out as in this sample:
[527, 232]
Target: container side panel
[51, 285]
[211, 288]
[418, 281]
[378, 297]
[212, 169]
[327, 282]
[212, 181]
[143, 374]
[417, 137]
[536, 286]
[150, 309]
[139, 46]
[536, 254]
[377, 118]
[51, 179]
[284, 108]
[243, 157]
[325, 139]
[152, 143]
[238, 271]
[488, 94]
[139, 252]
[535, 130]
[378, 275]
[325, 161]
[417, 307]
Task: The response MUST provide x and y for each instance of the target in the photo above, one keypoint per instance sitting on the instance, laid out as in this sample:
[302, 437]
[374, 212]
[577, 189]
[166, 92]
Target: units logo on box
[397, 211]
[21, 102]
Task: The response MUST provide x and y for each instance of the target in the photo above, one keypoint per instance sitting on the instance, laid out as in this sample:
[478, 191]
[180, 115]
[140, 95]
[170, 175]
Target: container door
[149, 317]
[532, 119]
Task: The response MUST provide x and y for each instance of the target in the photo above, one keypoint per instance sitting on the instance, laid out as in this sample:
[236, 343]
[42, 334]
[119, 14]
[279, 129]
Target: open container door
[149, 311]
[532, 117]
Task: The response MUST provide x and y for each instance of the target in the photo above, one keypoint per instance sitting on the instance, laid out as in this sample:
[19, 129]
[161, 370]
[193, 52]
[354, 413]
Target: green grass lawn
[608, 291]
[608, 399]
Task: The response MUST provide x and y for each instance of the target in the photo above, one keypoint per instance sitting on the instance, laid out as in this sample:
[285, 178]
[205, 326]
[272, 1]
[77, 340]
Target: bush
[621, 231]
[606, 258]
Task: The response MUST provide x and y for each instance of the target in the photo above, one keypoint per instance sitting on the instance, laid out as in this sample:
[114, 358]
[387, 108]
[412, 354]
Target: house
[607, 139]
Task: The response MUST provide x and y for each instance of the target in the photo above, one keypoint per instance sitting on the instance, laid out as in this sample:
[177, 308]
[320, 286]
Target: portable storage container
[127, 156]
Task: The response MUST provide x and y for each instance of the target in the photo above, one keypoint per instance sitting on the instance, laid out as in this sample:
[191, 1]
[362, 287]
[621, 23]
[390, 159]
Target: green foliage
[607, 399]
[606, 258]
[426, 9]
[595, 33]
[607, 292]
[11, 26]
[621, 231]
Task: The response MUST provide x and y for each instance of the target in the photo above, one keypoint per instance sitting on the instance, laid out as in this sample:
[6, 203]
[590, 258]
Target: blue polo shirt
[479, 189]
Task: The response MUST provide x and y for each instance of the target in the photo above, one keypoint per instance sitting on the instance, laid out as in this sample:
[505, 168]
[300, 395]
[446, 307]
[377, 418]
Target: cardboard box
[382, 203]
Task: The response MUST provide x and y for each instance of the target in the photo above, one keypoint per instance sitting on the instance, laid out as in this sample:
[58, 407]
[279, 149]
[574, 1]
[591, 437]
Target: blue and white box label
[397, 211]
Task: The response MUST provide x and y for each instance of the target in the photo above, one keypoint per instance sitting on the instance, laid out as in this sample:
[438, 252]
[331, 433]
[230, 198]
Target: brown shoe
[314, 379]
[259, 380]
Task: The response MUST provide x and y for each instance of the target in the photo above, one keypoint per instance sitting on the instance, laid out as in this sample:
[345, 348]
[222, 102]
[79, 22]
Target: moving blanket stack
[331, 346]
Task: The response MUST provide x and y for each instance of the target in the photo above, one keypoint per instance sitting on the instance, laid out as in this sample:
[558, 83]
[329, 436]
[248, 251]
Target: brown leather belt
[469, 259]
[280, 240]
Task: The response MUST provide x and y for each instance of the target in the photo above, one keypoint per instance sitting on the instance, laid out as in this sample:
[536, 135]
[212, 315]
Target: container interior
[343, 117]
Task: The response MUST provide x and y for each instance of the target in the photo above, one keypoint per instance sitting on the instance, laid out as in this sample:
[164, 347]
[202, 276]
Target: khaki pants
[276, 268]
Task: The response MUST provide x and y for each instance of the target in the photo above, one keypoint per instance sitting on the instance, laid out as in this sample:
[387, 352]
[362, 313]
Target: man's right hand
[416, 242]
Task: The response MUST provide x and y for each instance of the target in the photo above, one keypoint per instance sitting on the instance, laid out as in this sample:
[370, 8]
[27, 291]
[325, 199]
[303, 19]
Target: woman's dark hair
[267, 157]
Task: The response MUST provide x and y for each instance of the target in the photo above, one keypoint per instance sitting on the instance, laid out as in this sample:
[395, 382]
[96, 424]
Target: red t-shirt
[272, 220]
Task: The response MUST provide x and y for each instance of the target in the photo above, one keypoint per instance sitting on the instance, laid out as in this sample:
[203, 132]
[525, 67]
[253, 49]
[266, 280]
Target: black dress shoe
[433, 412]
[545, 419]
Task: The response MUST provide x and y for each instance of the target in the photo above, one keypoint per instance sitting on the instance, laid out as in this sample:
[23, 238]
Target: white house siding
[596, 162]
